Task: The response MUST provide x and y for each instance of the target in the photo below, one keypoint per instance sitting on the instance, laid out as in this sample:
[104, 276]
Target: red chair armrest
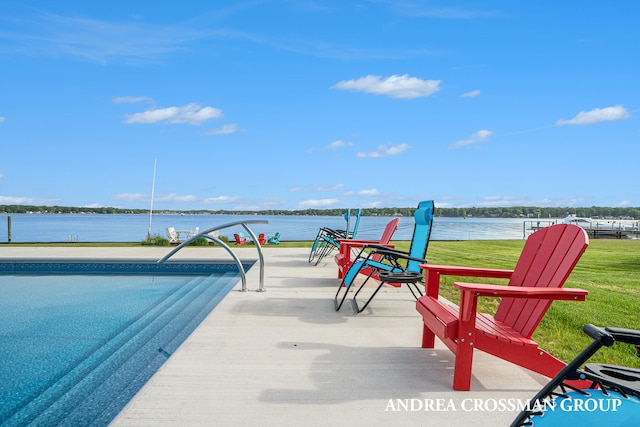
[359, 243]
[450, 270]
[470, 292]
[433, 272]
[498, 291]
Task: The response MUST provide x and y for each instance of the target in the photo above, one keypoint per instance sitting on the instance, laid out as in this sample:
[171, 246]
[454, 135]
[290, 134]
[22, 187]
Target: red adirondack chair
[239, 240]
[343, 257]
[548, 257]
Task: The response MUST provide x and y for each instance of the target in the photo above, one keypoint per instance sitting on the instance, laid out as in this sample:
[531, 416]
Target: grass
[609, 270]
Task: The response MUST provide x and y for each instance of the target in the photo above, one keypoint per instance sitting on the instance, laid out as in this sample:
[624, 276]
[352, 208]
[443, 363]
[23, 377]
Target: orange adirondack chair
[239, 240]
[343, 258]
[548, 257]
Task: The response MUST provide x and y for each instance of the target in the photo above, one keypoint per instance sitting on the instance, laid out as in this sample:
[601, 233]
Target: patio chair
[240, 240]
[352, 246]
[328, 239]
[275, 239]
[193, 232]
[262, 239]
[172, 235]
[615, 388]
[404, 266]
[337, 234]
[548, 257]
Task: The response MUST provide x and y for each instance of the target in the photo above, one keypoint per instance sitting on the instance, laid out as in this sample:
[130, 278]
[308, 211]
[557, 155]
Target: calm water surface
[133, 228]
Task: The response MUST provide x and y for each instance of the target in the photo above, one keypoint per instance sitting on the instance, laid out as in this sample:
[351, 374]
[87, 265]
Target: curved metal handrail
[206, 235]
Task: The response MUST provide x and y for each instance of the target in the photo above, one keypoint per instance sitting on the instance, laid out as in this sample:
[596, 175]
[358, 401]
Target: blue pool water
[78, 340]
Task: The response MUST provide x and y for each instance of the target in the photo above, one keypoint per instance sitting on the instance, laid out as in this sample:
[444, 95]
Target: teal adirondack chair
[275, 239]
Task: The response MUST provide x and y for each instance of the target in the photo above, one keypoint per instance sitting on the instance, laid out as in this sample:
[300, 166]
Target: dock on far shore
[595, 228]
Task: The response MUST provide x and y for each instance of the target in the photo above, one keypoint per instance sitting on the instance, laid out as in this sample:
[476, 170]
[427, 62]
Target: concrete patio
[286, 357]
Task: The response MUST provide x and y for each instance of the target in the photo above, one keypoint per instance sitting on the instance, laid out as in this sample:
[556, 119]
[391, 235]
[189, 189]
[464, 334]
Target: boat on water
[617, 228]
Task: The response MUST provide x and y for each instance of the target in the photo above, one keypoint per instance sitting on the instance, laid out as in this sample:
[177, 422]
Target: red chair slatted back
[391, 228]
[387, 234]
[548, 257]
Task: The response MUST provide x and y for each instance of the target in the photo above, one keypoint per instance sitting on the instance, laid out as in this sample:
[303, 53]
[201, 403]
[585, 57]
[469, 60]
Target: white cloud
[8, 200]
[132, 197]
[498, 201]
[315, 187]
[503, 201]
[479, 136]
[318, 203]
[394, 86]
[222, 199]
[374, 204]
[172, 197]
[324, 188]
[339, 144]
[3, 119]
[192, 114]
[138, 197]
[270, 203]
[597, 115]
[385, 151]
[131, 99]
[371, 192]
[471, 94]
[224, 130]
[260, 204]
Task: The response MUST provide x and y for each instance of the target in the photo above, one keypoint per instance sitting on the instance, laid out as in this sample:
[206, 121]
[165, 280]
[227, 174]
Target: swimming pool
[78, 338]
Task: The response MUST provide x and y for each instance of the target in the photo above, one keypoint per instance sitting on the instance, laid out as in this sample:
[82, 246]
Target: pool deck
[286, 357]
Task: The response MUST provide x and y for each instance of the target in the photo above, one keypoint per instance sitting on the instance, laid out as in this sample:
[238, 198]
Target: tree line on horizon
[477, 212]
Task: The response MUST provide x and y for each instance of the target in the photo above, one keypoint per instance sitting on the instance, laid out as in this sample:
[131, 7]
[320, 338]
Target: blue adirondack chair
[275, 239]
[390, 265]
[328, 239]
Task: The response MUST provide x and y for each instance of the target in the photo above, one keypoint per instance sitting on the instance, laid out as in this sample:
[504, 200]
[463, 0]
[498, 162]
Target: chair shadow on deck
[374, 373]
[396, 372]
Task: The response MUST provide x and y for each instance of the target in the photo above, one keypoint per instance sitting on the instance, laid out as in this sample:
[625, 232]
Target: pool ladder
[206, 235]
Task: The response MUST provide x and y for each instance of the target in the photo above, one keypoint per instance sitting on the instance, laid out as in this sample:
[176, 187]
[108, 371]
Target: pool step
[96, 389]
[153, 355]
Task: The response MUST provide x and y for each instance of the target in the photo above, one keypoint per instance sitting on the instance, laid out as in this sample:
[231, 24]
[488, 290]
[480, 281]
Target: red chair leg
[428, 337]
[462, 367]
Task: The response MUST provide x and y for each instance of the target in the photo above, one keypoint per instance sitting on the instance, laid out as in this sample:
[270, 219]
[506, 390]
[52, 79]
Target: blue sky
[319, 104]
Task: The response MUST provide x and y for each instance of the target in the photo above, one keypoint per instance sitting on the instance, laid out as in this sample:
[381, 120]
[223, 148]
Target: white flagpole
[153, 187]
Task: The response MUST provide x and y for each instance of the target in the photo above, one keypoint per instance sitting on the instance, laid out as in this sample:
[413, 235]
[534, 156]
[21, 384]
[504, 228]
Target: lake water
[134, 228]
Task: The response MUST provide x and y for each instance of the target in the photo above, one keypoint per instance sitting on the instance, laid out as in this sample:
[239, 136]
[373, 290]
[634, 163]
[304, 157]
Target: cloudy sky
[294, 104]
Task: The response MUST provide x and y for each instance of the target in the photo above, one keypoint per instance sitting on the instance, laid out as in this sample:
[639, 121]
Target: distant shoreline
[524, 212]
